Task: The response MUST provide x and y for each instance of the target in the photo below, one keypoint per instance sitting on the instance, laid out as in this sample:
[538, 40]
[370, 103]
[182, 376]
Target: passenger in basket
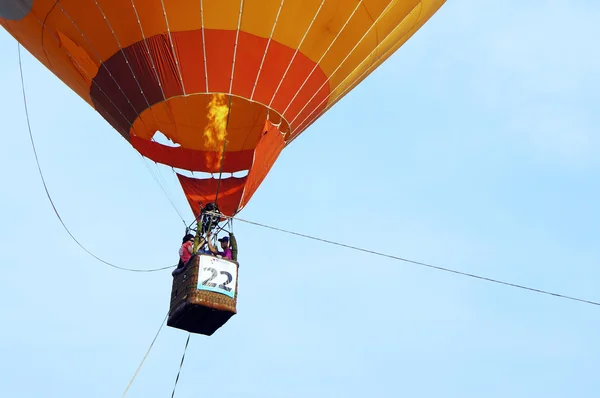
[226, 253]
[186, 252]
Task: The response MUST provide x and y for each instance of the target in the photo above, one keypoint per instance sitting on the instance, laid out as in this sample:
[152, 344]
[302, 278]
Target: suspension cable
[514, 285]
[162, 187]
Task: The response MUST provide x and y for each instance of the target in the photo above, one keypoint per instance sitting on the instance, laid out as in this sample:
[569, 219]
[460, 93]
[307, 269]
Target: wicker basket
[196, 310]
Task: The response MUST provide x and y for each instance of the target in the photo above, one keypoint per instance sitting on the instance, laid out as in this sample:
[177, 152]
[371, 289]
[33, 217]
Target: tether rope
[48, 193]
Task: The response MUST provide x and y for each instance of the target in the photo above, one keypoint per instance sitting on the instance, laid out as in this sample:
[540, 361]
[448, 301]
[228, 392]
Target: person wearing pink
[226, 253]
[185, 253]
[186, 249]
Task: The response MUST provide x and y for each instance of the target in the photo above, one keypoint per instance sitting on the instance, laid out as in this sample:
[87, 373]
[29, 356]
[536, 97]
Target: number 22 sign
[217, 275]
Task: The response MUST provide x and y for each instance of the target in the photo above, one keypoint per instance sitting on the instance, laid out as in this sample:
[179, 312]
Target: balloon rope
[37, 161]
[562, 296]
[145, 356]
[181, 365]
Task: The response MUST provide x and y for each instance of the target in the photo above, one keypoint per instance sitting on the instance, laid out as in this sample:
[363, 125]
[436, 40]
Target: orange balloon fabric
[230, 82]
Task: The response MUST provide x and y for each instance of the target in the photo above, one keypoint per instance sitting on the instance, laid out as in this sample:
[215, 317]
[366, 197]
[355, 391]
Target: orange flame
[216, 129]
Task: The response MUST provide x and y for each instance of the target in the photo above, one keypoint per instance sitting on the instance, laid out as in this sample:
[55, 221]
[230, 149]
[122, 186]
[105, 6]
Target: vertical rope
[145, 356]
[181, 364]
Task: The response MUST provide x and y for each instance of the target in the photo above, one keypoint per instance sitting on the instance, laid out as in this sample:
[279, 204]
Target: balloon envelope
[229, 82]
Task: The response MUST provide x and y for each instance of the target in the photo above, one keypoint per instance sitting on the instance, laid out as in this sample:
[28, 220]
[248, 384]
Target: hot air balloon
[229, 83]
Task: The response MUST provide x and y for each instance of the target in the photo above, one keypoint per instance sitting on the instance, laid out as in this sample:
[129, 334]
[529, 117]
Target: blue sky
[476, 146]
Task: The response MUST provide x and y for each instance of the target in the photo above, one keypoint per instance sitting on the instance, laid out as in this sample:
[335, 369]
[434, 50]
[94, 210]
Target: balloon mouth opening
[206, 134]
[201, 175]
[203, 121]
